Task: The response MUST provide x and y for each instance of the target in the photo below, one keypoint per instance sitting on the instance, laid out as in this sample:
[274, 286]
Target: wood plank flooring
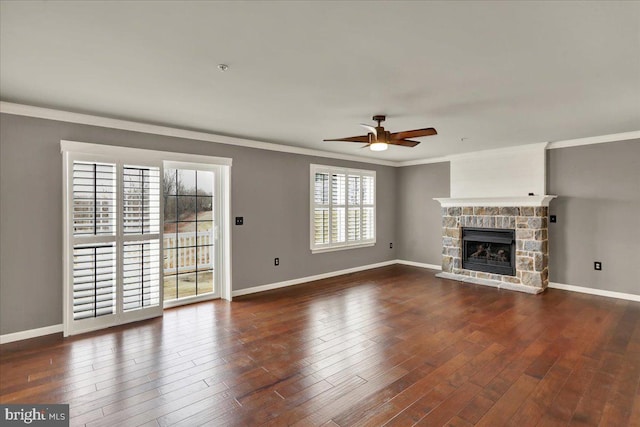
[394, 346]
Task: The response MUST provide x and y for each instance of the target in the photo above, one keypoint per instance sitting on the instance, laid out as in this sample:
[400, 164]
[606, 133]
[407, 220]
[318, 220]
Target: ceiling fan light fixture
[378, 139]
[378, 146]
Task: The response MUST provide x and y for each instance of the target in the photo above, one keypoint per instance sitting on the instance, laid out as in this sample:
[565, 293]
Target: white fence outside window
[187, 258]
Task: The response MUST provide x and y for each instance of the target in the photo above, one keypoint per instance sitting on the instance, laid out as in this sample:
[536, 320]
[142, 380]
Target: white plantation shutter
[94, 280]
[343, 208]
[94, 199]
[338, 204]
[354, 225]
[140, 219]
[368, 208]
[141, 201]
[320, 220]
[141, 274]
[113, 253]
[94, 220]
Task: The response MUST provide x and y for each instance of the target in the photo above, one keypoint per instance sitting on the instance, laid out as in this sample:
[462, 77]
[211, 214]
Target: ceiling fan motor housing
[381, 135]
[384, 135]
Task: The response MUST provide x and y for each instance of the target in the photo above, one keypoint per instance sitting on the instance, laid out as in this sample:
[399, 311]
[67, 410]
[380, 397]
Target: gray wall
[597, 184]
[419, 219]
[598, 212]
[270, 189]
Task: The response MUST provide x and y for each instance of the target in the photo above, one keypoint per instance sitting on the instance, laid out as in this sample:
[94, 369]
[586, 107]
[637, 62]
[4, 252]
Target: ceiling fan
[379, 139]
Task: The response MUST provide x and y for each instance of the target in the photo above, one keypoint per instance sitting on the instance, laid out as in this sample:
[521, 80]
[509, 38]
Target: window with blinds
[94, 280]
[94, 217]
[343, 208]
[94, 199]
[141, 203]
[140, 275]
[140, 219]
[115, 223]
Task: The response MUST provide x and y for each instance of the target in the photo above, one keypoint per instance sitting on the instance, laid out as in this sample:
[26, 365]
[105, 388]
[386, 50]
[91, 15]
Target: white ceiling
[495, 73]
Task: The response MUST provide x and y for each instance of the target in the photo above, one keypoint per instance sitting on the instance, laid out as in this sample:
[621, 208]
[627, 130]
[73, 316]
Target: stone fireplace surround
[527, 216]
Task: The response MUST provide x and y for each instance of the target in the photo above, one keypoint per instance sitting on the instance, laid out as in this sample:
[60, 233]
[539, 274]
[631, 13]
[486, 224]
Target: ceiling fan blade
[362, 138]
[416, 133]
[371, 129]
[404, 142]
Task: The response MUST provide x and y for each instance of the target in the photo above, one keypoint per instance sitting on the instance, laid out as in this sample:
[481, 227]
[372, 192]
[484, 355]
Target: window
[94, 234]
[141, 237]
[342, 208]
[114, 246]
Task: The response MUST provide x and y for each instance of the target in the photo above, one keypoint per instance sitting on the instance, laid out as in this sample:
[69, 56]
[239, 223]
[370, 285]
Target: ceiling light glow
[378, 146]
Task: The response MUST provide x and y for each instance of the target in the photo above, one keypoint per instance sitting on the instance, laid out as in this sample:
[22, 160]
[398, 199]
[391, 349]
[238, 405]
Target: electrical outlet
[276, 261]
[552, 218]
[597, 265]
[390, 245]
[239, 220]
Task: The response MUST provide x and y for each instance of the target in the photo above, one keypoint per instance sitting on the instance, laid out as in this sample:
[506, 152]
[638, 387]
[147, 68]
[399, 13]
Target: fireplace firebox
[489, 250]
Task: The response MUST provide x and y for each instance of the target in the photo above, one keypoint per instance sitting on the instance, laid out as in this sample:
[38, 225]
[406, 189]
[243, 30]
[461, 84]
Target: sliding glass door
[191, 219]
[143, 230]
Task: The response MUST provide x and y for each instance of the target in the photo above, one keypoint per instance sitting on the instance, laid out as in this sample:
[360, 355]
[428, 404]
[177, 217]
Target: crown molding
[424, 161]
[473, 154]
[614, 137]
[92, 120]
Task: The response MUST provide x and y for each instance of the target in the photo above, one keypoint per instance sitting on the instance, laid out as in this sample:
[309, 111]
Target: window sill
[342, 248]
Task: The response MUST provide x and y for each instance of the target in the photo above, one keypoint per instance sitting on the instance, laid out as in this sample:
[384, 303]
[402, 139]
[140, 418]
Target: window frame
[336, 246]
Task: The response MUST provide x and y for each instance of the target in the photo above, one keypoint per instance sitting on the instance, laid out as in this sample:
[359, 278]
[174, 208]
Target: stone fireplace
[495, 259]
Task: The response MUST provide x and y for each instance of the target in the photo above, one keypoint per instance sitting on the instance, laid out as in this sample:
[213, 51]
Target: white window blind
[94, 280]
[94, 226]
[141, 274]
[94, 199]
[342, 208]
[140, 219]
[114, 243]
[141, 204]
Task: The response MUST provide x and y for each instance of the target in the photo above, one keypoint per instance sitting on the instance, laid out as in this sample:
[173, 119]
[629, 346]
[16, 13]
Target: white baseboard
[300, 280]
[47, 330]
[419, 264]
[30, 333]
[599, 292]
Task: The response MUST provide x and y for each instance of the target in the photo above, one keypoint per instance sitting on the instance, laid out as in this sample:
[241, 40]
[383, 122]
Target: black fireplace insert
[489, 250]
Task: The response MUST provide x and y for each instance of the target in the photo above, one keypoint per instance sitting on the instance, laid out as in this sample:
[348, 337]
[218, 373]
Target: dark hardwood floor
[394, 346]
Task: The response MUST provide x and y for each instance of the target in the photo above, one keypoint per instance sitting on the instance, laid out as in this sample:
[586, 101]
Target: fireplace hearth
[489, 250]
[503, 246]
